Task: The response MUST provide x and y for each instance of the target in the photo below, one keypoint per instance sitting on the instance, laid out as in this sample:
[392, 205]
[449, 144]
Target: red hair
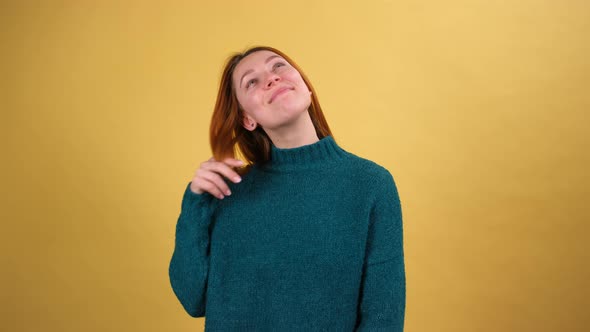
[226, 133]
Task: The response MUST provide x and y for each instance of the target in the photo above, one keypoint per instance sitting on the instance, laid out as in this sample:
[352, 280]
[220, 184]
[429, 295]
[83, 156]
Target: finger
[209, 187]
[223, 169]
[207, 164]
[233, 162]
[215, 179]
[195, 188]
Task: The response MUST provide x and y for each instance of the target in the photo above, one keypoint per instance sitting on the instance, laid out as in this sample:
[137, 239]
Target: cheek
[294, 76]
[249, 102]
[243, 97]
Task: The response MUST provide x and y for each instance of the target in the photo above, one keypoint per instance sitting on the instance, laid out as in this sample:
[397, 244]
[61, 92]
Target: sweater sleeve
[189, 265]
[383, 286]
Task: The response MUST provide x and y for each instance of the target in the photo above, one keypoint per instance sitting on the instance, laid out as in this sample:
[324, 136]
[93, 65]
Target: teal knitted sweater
[310, 241]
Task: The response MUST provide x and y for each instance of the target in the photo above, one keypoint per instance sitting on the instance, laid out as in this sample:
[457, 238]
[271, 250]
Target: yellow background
[476, 107]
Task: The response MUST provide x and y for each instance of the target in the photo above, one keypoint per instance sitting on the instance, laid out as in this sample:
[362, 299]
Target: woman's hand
[208, 178]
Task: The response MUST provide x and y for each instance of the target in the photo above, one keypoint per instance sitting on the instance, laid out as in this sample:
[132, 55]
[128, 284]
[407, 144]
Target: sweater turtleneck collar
[307, 156]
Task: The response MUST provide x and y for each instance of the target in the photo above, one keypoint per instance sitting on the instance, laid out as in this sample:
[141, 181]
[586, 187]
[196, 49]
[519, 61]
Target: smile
[278, 93]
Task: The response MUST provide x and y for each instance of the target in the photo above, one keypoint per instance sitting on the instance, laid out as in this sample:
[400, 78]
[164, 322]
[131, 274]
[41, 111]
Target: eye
[279, 64]
[250, 81]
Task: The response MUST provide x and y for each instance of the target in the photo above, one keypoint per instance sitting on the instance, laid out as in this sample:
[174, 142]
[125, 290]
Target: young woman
[303, 236]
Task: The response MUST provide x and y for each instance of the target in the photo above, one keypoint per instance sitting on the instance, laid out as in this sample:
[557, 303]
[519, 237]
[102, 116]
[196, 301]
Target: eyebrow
[251, 70]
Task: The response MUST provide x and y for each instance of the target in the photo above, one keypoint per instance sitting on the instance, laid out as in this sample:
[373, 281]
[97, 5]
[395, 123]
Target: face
[270, 91]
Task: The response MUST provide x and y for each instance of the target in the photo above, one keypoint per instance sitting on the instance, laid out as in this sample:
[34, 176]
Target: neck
[319, 155]
[298, 133]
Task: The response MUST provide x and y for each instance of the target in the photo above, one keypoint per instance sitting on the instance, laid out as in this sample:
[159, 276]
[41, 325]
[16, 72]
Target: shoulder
[368, 169]
[374, 180]
[374, 185]
[378, 185]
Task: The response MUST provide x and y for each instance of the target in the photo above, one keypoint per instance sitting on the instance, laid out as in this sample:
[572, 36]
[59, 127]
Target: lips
[277, 92]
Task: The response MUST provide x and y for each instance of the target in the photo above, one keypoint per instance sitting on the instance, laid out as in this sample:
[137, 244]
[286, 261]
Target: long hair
[227, 136]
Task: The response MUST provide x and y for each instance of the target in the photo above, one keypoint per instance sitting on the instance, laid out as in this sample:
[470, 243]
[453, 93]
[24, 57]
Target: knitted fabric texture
[310, 241]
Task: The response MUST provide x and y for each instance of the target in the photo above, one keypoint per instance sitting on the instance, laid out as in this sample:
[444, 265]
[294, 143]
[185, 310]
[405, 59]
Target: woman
[304, 236]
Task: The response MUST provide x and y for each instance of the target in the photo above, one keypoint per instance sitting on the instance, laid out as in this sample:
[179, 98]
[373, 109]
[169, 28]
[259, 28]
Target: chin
[297, 107]
[289, 117]
[295, 111]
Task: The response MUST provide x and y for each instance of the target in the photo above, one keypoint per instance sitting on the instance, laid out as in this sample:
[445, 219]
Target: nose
[272, 79]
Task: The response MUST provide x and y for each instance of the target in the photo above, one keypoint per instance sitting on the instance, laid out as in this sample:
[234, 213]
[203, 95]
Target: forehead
[252, 60]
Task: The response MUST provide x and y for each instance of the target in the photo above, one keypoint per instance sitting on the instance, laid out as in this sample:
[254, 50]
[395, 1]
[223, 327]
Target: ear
[248, 123]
